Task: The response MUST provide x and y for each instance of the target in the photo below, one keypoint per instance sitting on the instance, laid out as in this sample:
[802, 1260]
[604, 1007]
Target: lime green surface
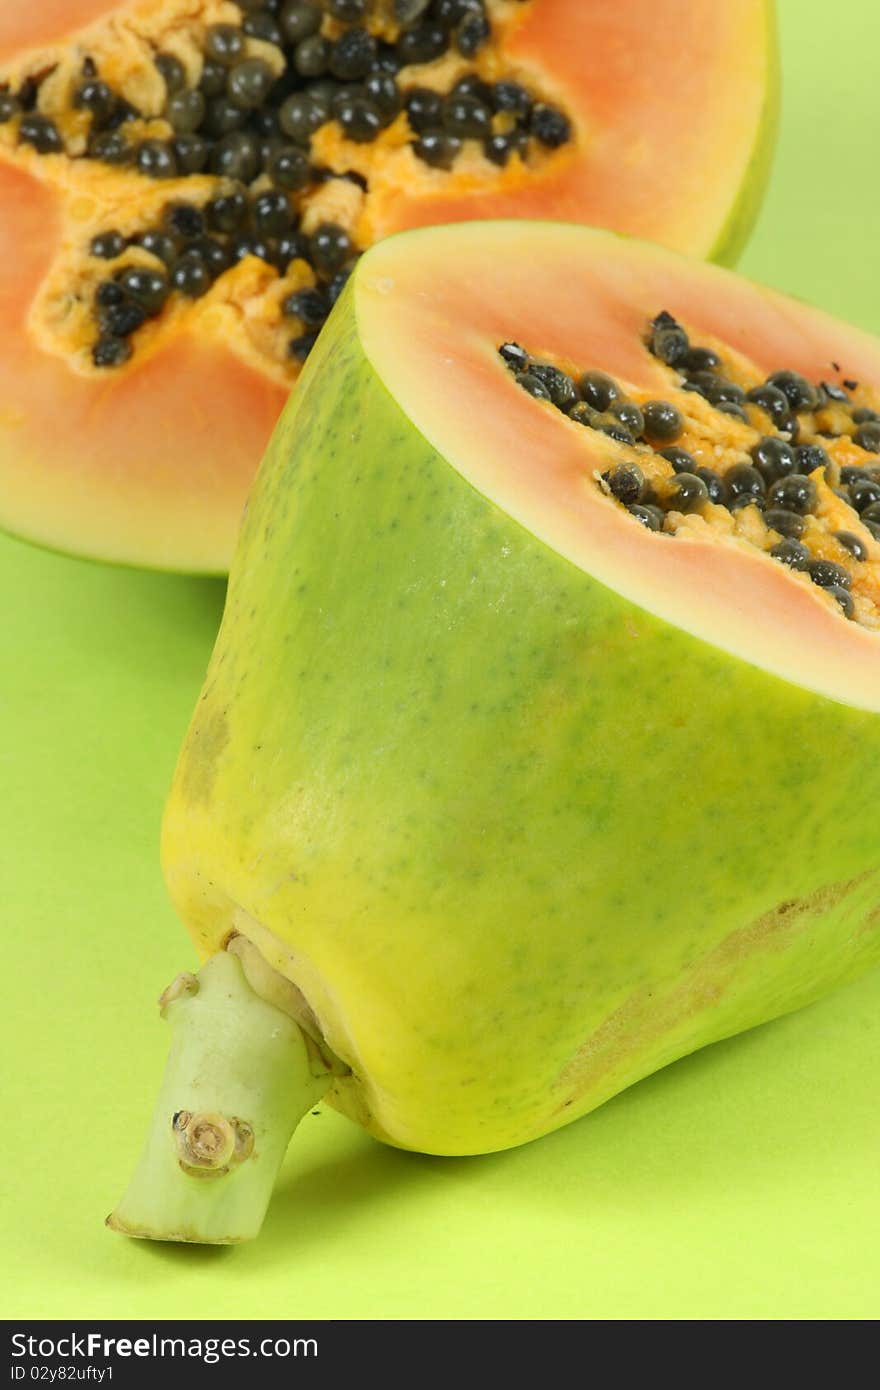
[740, 1183]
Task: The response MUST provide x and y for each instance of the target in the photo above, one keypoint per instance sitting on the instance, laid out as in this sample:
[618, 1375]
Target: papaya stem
[240, 1077]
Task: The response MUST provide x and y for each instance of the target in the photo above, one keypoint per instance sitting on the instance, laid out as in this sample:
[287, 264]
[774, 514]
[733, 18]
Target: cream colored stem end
[239, 1078]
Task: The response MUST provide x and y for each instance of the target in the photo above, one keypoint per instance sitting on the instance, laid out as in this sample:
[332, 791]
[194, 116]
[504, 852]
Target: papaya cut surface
[111, 118]
[539, 467]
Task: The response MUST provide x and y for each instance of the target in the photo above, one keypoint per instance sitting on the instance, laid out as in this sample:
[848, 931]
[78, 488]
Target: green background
[740, 1183]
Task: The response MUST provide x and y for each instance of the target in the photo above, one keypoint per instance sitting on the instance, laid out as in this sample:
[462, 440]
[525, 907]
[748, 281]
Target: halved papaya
[540, 744]
[186, 185]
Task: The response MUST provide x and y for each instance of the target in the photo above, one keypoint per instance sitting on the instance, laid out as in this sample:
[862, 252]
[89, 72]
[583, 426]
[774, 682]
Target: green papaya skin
[518, 841]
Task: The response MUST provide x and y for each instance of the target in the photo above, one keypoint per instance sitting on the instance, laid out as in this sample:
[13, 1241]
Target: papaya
[540, 743]
[186, 185]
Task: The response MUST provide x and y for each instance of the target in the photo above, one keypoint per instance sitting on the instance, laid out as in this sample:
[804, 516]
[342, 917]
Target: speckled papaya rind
[518, 840]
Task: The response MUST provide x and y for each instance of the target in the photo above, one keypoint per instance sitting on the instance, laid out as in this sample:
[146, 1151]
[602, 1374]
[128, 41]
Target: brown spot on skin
[205, 745]
[638, 1028]
[871, 923]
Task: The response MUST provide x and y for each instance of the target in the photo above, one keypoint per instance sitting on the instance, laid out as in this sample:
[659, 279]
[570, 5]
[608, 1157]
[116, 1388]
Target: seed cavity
[779, 463]
[268, 92]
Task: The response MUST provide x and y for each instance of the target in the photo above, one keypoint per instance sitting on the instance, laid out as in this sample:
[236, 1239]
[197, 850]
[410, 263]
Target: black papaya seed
[662, 420]
[650, 517]
[799, 392]
[599, 390]
[515, 356]
[795, 493]
[533, 384]
[681, 460]
[788, 524]
[562, 390]
[774, 458]
[626, 482]
[853, 543]
[790, 552]
[826, 573]
[743, 479]
[687, 492]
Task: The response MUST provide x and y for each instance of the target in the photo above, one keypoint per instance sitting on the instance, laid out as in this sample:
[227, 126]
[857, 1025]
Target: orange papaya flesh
[135, 438]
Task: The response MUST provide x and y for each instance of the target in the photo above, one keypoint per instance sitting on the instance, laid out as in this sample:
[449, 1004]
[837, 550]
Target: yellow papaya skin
[517, 841]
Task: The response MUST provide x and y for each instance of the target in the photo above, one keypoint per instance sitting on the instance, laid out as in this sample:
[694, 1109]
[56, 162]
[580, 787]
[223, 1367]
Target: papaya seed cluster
[267, 88]
[797, 463]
